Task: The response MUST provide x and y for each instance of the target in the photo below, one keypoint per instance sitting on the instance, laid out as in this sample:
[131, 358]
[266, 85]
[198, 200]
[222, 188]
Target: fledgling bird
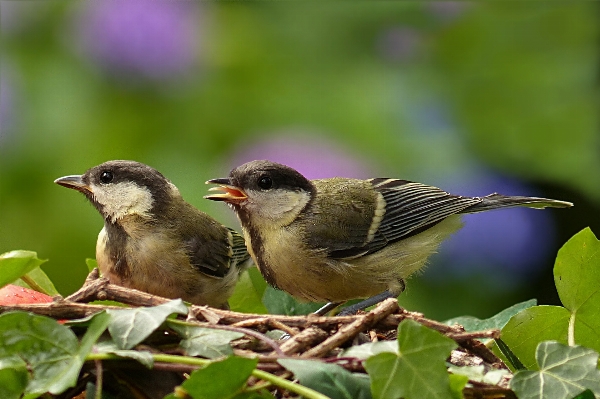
[156, 242]
[339, 239]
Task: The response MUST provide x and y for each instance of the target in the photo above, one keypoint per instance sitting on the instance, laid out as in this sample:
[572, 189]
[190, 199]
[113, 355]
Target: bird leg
[328, 307]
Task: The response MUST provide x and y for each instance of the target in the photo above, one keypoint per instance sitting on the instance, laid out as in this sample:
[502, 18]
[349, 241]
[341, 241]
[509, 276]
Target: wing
[410, 208]
[208, 243]
[238, 246]
[414, 207]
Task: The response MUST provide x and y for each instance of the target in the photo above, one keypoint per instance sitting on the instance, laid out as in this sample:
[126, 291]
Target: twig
[348, 331]
[305, 339]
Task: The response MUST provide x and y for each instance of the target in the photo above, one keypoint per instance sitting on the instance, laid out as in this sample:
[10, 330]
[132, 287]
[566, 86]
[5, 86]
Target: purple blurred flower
[399, 43]
[312, 156]
[506, 245]
[155, 39]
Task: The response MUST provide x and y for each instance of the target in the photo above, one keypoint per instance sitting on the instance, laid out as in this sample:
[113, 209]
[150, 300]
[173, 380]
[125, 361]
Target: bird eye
[106, 177]
[265, 182]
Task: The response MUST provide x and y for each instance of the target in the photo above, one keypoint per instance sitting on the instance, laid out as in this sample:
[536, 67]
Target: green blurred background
[471, 97]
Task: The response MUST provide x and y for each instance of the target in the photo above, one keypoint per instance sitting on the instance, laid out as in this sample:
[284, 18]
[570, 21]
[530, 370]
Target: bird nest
[268, 338]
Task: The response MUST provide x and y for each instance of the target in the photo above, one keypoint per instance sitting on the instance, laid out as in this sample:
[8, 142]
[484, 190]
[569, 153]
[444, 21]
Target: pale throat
[123, 199]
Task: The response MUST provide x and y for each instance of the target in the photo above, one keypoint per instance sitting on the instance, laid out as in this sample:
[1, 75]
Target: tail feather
[495, 201]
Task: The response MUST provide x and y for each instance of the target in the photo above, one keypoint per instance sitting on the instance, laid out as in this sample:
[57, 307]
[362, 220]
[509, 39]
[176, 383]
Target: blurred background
[471, 97]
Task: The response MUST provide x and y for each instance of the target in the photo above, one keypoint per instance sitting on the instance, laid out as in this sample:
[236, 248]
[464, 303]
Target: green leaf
[129, 327]
[91, 264]
[13, 377]
[531, 326]
[329, 379]
[205, 342]
[39, 281]
[564, 372]
[419, 368]
[280, 302]
[369, 349]
[457, 385]
[53, 355]
[499, 320]
[144, 357]
[477, 373]
[587, 394]
[220, 380]
[248, 293]
[14, 264]
[577, 279]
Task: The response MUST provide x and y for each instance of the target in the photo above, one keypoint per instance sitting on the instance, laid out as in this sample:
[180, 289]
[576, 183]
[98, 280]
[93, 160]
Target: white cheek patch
[122, 199]
[279, 207]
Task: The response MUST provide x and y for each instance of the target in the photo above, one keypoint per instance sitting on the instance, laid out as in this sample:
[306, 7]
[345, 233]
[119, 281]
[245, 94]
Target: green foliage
[129, 327]
[220, 380]
[15, 264]
[280, 302]
[329, 379]
[499, 320]
[577, 277]
[248, 294]
[206, 342]
[52, 352]
[564, 372]
[418, 370]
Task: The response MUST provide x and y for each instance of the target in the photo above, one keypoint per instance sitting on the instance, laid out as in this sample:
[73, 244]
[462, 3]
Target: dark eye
[106, 177]
[265, 182]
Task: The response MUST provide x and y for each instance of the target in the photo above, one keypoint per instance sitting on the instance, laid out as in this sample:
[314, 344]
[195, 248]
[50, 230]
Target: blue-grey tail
[496, 201]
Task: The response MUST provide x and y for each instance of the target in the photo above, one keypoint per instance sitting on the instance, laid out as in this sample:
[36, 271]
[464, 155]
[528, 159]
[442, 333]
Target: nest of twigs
[306, 337]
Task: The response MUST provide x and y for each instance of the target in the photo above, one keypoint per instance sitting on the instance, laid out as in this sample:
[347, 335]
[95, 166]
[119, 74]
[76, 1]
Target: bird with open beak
[339, 239]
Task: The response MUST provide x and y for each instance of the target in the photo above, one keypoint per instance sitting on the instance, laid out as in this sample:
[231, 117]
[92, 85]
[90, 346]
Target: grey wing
[410, 208]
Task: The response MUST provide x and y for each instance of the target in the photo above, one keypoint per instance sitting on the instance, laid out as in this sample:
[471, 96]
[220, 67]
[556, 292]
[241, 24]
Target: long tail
[495, 201]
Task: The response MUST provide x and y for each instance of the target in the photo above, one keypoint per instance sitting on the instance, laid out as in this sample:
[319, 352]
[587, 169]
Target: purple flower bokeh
[153, 39]
[313, 156]
[508, 246]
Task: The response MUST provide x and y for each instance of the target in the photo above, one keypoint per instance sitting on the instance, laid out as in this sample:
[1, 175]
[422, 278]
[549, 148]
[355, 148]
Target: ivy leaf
[280, 302]
[477, 373]
[531, 326]
[220, 380]
[419, 368]
[205, 342]
[144, 357]
[53, 355]
[329, 379]
[564, 372]
[14, 264]
[499, 320]
[577, 279]
[39, 281]
[13, 377]
[129, 327]
[248, 293]
[369, 349]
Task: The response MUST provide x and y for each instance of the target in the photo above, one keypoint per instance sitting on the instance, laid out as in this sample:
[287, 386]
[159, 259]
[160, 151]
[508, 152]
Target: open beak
[229, 193]
[75, 182]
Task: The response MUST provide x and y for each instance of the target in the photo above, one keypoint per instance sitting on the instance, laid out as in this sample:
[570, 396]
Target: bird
[337, 239]
[156, 242]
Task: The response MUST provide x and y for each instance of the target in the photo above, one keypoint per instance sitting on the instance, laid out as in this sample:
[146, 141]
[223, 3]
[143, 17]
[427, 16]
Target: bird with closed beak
[156, 242]
[336, 239]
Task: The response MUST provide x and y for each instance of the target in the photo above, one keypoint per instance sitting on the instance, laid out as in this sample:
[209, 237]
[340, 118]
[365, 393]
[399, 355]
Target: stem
[571, 330]
[99, 379]
[263, 375]
[290, 386]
